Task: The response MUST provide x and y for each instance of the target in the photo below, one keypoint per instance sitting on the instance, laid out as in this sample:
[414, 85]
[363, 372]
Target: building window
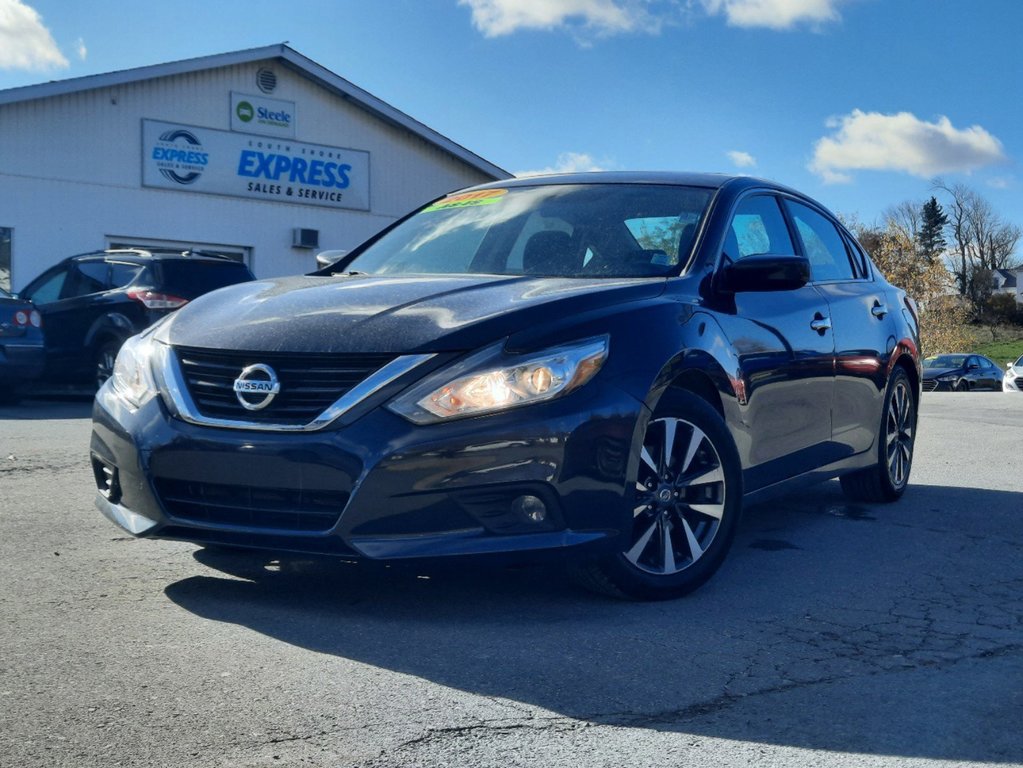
[5, 257]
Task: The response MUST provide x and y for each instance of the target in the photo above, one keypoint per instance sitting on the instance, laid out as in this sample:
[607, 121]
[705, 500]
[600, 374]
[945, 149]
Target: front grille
[929, 385]
[309, 383]
[244, 506]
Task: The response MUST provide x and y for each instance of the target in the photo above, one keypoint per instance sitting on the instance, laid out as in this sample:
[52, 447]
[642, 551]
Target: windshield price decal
[467, 199]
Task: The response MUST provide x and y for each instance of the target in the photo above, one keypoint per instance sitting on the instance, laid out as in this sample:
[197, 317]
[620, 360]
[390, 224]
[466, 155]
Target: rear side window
[193, 278]
[121, 274]
[88, 277]
[822, 244]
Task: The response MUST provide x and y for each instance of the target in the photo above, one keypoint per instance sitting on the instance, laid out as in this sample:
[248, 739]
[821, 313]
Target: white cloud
[774, 14]
[568, 162]
[901, 142]
[742, 159]
[1001, 182]
[81, 50]
[25, 43]
[606, 17]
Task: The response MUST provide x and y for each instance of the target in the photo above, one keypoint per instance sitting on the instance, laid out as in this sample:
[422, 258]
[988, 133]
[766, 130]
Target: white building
[1009, 281]
[262, 154]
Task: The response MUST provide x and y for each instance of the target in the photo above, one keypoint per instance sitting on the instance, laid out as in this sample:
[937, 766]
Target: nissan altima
[605, 367]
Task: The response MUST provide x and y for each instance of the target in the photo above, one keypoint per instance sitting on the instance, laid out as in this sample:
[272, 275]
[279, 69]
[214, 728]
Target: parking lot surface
[834, 635]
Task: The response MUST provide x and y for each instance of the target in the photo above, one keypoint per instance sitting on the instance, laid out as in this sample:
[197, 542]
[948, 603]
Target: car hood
[393, 314]
[933, 373]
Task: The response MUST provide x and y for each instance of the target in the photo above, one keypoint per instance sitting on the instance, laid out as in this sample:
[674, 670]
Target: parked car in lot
[598, 365]
[21, 344]
[1012, 380]
[92, 302]
[961, 373]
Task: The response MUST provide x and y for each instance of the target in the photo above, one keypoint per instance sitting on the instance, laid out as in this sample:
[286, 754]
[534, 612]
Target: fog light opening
[530, 508]
[107, 481]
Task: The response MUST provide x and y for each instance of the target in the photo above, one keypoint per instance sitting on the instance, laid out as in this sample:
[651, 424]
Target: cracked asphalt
[835, 635]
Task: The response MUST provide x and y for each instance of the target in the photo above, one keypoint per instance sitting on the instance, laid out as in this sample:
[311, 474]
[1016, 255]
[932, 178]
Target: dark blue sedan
[22, 348]
[597, 366]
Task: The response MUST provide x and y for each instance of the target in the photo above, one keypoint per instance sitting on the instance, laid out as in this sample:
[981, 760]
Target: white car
[1012, 381]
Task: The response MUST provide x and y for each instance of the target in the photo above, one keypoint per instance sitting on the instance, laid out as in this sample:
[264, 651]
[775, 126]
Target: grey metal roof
[1008, 277]
[288, 57]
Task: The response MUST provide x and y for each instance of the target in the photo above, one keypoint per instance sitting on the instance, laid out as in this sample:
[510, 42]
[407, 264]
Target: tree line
[946, 257]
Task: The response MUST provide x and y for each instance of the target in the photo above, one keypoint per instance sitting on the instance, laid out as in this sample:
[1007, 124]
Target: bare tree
[905, 217]
[980, 241]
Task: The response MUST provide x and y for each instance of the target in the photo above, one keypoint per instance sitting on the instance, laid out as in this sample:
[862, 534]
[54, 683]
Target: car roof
[147, 255]
[707, 180]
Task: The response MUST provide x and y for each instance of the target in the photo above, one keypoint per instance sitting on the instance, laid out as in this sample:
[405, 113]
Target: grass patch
[1001, 351]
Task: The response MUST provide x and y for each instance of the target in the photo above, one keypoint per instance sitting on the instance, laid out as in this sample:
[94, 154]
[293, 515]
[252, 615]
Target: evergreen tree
[931, 238]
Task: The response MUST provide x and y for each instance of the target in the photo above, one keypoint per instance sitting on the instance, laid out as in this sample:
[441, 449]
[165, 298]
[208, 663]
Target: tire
[961, 386]
[104, 359]
[685, 504]
[886, 480]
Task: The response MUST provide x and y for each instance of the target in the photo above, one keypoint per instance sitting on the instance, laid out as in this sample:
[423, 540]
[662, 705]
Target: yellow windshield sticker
[466, 199]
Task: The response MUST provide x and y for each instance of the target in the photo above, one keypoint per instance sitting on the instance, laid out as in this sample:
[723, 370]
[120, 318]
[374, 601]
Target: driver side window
[47, 289]
[758, 227]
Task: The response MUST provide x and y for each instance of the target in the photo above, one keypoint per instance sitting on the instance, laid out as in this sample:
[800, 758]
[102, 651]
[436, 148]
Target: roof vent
[266, 80]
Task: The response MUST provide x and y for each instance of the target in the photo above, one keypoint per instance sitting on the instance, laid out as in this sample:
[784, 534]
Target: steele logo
[244, 111]
[179, 156]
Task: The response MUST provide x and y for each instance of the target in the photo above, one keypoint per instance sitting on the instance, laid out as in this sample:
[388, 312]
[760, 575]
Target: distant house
[1009, 281]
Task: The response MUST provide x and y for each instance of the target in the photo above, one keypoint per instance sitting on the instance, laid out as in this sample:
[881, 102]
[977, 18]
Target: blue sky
[859, 103]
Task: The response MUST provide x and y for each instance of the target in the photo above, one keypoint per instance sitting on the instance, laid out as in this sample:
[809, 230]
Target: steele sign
[258, 114]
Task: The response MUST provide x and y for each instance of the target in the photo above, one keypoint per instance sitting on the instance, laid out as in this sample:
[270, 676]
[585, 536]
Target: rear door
[861, 325]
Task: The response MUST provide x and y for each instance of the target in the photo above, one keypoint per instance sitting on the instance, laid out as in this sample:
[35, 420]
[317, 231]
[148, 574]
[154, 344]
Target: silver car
[1012, 381]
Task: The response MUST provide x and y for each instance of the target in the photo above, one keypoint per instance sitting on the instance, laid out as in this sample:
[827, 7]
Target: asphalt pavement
[835, 634]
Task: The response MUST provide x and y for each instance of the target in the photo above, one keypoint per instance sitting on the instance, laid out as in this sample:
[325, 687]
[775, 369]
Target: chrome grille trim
[175, 389]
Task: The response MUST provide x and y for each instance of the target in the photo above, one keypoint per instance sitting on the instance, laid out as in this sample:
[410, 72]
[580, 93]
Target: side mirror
[766, 272]
[326, 258]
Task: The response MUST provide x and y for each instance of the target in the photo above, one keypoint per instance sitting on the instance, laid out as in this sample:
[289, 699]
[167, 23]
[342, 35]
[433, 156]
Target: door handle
[879, 310]
[820, 323]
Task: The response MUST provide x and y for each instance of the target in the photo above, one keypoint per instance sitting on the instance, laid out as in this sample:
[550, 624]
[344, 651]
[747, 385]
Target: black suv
[92, 302]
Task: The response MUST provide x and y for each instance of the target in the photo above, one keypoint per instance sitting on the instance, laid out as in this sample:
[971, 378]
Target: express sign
[216, 162]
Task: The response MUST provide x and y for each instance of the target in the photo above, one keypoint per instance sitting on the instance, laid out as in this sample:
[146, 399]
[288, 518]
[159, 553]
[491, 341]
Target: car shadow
[877, 630]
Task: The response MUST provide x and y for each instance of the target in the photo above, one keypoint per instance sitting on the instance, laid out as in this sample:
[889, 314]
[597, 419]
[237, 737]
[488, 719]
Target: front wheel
[685, 505]
[887, 479]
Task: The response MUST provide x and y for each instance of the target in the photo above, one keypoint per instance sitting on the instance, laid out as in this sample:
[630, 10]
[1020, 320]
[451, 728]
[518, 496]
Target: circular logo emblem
[256, 387]
[244, 111]
[180, 156]
[664, 495]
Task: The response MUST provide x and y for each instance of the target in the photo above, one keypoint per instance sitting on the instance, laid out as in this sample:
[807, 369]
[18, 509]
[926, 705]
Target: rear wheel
[686, 503]
[106, 355]
[887, 479]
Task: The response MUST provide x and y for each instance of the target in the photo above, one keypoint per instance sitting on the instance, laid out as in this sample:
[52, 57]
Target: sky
[858, 103]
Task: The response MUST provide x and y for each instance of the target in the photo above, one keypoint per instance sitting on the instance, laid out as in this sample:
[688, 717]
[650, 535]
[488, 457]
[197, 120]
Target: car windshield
[945, 361]
[589, 230]
[1019, 362]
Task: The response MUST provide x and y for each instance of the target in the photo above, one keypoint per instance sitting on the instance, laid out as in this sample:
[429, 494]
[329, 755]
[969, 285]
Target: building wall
[71, 172]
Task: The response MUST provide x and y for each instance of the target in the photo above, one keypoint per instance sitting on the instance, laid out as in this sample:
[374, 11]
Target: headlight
[491, 381]
[948, 377]
[133, 371]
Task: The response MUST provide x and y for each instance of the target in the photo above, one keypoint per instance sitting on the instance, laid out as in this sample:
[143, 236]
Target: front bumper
[1012, 382]
[379, 487]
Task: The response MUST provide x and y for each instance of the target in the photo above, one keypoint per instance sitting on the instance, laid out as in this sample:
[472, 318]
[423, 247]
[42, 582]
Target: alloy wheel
[680, 498]
[899, 435]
